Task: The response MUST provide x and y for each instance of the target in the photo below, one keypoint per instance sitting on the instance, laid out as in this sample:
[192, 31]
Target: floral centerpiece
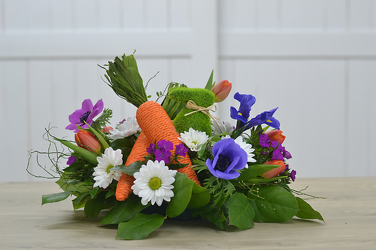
[175, 160]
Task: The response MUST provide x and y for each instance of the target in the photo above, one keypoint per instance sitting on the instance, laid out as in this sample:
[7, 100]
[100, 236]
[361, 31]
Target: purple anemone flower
[85, 114]
[228, 158]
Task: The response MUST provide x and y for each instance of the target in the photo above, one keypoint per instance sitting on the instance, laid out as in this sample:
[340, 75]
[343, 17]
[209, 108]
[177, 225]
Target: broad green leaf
[81, 151]
[182, 195]
[75, 166]
[255, 170]
[93, 191]
[80, 201]
[124, 210]
[73, 186]
[306, 211]
[139, 227]
[94, 206]
[241, 213]
[51, 198]
[130, 169]
[200, 197]
[125, 145]
[214, 215]
[273, 204]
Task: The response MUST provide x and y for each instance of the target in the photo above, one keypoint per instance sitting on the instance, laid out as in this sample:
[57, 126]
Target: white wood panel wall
[314, 59]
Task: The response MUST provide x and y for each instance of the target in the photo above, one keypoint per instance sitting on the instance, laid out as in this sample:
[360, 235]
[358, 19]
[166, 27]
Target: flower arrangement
[175, 160]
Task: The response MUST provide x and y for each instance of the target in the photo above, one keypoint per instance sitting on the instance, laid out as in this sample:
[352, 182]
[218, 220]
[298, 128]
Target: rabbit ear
[202, 97]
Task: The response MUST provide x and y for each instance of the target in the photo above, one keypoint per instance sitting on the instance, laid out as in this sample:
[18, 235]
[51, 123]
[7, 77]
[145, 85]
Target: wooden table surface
[349, 211]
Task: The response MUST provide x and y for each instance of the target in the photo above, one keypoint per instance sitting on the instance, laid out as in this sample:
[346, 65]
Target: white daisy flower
[103, 175]
[221, 127]
[193, 138]
[125, 129]
[154, 183]
[245, 146]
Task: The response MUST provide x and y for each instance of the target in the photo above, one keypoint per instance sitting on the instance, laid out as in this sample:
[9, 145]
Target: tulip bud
[87, 140]
[107, 129]
[221, 90]
[276, 171]
[276, 135]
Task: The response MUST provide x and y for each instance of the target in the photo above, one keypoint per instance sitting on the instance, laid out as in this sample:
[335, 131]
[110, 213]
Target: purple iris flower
[265, 117]
[181, 150]
[228, 158]
[85, 114]
[246, 102]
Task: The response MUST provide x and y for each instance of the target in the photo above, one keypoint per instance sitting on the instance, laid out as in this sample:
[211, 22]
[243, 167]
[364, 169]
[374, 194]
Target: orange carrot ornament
[123, 77]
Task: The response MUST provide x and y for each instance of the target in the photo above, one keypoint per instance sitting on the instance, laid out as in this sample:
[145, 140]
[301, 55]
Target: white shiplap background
[314, 59]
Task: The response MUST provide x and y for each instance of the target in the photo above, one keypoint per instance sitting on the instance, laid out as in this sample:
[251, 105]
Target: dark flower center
[223, 163]
[85, 116]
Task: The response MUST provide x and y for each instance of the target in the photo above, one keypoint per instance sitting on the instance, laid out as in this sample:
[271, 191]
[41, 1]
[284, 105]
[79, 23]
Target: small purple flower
[151, 148]
[286, 154]
[166, 145]
[162, 154]
[293, 175]
[264, 141]
[228, 158]
[278, 153]
[181, 150]
[71, 160]
[85, 114]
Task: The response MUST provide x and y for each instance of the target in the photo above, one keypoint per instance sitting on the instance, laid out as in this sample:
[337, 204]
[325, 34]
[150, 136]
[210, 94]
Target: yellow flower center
[240, 114]
[269, 121]
[108, 168]
[155, 183]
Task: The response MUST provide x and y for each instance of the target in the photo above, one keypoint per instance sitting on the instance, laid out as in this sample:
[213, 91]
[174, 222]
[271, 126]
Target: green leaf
[273, 204]
[182, 195]
[81, 151]
[99, 136]
[130, 169]
[306, 211]
[73, 186]
[254, 171]
[93, 191]
[214, 215]
[94, 206]
[261, 180]
[209, 84]
[124, 210]
[139, 227]
[51, 198]
[80, 201]
[241, 213]
[200, 197]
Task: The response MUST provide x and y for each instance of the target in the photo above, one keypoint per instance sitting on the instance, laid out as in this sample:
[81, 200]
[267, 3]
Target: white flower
[127, 128]
[193, 138]
[245, 146]
[221, 127]
[154, 183]
[103, 175]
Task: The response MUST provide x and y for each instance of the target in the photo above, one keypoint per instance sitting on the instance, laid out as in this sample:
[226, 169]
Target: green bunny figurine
[198, 120]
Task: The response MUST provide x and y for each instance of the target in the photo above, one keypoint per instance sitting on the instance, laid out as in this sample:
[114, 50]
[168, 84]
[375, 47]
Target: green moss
[198, 120]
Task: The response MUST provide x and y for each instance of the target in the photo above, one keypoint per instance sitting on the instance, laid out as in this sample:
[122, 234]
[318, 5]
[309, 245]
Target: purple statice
[264, 141]
[181, 150]
[278, 153]
[166, 145]
[286, 154]
[151, 149]
[71, 160]
[85, 115]
[162, 155]
[293, 175]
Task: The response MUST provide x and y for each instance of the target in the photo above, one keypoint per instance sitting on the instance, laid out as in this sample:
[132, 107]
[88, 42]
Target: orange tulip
[221, 90]
[276, 135]
[276, 171]
[87, 140]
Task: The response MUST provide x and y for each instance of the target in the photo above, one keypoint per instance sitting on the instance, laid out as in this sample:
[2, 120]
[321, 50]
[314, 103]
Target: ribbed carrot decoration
[138, 152]
[157, 125]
